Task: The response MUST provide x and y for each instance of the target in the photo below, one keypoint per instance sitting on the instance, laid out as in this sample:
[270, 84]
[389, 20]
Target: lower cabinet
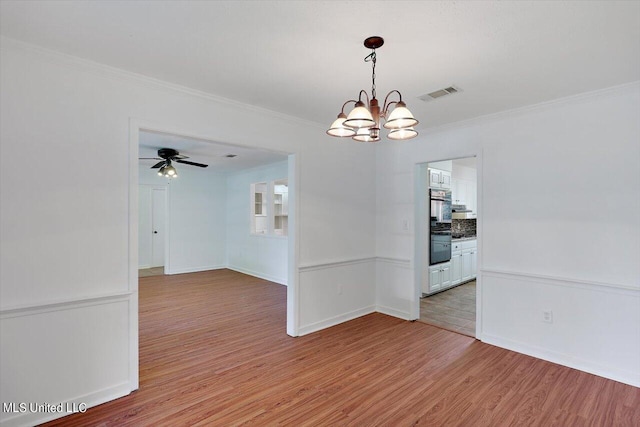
[461, 268]
[469, 260]
[466, 265]
[439, 277]
[456, 267]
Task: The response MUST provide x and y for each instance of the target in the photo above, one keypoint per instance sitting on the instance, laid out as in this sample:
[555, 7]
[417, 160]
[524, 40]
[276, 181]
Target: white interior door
[144, 226]
[158, 222]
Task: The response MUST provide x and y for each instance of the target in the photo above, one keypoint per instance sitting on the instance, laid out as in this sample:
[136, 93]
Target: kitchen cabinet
[439, 277]
[472, 196]
[469, 257]
[458, 192]
[461, 268]
[456, 267]
[464, 192]
[439, 178]
[466, 266]
[435, 282]
[463, 261]
[474, 263]
[281, 208]
[258, 200]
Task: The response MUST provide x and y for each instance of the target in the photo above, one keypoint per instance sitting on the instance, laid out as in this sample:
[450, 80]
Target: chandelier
[363, 122]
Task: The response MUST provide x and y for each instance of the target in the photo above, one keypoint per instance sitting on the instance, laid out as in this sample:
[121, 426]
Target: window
[270, 208]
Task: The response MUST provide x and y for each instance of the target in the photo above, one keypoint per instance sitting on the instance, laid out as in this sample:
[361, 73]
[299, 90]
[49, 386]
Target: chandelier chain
[372, 57]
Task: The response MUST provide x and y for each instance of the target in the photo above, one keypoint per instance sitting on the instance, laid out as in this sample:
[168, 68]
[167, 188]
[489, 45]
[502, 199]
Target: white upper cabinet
[281, 207]
[464, 192]
[439, 178]
[464, 187]
[472, 196]
[458, 192]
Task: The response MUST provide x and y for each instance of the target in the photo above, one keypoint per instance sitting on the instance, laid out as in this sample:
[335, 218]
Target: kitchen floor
[453, 309]
[154, 271]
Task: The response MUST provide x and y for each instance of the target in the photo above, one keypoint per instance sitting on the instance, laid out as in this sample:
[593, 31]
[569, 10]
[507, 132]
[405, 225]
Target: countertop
[462, 239]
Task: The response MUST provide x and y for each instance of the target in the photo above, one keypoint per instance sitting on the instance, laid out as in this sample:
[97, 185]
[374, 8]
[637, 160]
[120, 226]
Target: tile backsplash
[464, 226]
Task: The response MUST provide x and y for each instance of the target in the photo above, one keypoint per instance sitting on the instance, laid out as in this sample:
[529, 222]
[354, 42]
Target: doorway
[448, 277]
[203, 149]
[152, 229]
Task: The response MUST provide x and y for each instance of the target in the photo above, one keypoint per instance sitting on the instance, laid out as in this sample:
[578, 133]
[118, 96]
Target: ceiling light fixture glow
[168, 171]
[363, 122]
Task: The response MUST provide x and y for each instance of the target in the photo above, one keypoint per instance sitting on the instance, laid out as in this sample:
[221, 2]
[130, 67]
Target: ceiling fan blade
[159, 164]
[149, 158]
[191, 163]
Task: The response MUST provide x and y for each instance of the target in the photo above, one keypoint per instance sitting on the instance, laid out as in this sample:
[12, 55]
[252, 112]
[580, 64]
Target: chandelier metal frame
[363, 122]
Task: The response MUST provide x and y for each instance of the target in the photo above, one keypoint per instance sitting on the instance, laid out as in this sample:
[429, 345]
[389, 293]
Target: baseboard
[393, 312]
[144, 267]
[336, 320]
[257, 274]
[626, 377]
[194, 269]
[93, 399]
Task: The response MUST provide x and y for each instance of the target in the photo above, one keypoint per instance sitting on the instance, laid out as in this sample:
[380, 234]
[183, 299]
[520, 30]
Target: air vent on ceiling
[231, 155]
[440, 93]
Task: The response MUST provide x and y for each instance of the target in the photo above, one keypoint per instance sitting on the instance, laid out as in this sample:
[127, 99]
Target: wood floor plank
[214, 352]
[453, 309]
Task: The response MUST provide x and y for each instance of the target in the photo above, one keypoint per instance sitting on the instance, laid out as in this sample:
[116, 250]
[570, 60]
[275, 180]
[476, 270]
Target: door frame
[137, 125]
[420, 260]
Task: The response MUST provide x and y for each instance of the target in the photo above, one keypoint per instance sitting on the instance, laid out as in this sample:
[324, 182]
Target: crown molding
[104, 70]
[109, 71]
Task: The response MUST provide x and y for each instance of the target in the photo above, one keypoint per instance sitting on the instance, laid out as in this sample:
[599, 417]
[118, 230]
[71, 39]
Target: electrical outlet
[339, 288]
[405, 225]
[547, 316]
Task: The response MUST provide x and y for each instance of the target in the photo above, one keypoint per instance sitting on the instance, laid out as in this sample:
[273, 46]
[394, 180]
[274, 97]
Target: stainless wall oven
[439, 226]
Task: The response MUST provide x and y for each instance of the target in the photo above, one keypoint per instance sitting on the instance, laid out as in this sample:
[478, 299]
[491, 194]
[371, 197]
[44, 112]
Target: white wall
[445, 165]
[263, 256]
[463, 172]
[196, 218]
[558, 227]
[67, 245]
[68, 257]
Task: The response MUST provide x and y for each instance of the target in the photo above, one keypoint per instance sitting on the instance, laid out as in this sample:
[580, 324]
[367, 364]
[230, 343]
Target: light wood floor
[153, 271]
[213, 352]
[453, 309]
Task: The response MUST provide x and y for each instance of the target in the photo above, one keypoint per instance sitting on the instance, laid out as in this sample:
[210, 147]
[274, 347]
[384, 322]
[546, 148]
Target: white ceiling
[305, 58]
[207, 152]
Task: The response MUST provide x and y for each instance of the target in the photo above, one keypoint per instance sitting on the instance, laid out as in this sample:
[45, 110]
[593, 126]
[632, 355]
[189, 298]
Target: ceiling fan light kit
[363, 122]
[168, 171]
[164, 166]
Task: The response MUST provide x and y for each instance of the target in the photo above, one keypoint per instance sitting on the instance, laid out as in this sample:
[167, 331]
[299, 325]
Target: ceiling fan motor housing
[167, 153]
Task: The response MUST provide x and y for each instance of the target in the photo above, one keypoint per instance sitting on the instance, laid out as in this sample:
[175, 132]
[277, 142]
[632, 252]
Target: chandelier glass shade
[360, 117]
[363, 122]
[404, 133]
[339, 129]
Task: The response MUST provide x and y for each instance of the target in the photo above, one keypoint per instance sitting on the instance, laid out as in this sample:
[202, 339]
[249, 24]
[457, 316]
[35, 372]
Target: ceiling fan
[166, 156]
